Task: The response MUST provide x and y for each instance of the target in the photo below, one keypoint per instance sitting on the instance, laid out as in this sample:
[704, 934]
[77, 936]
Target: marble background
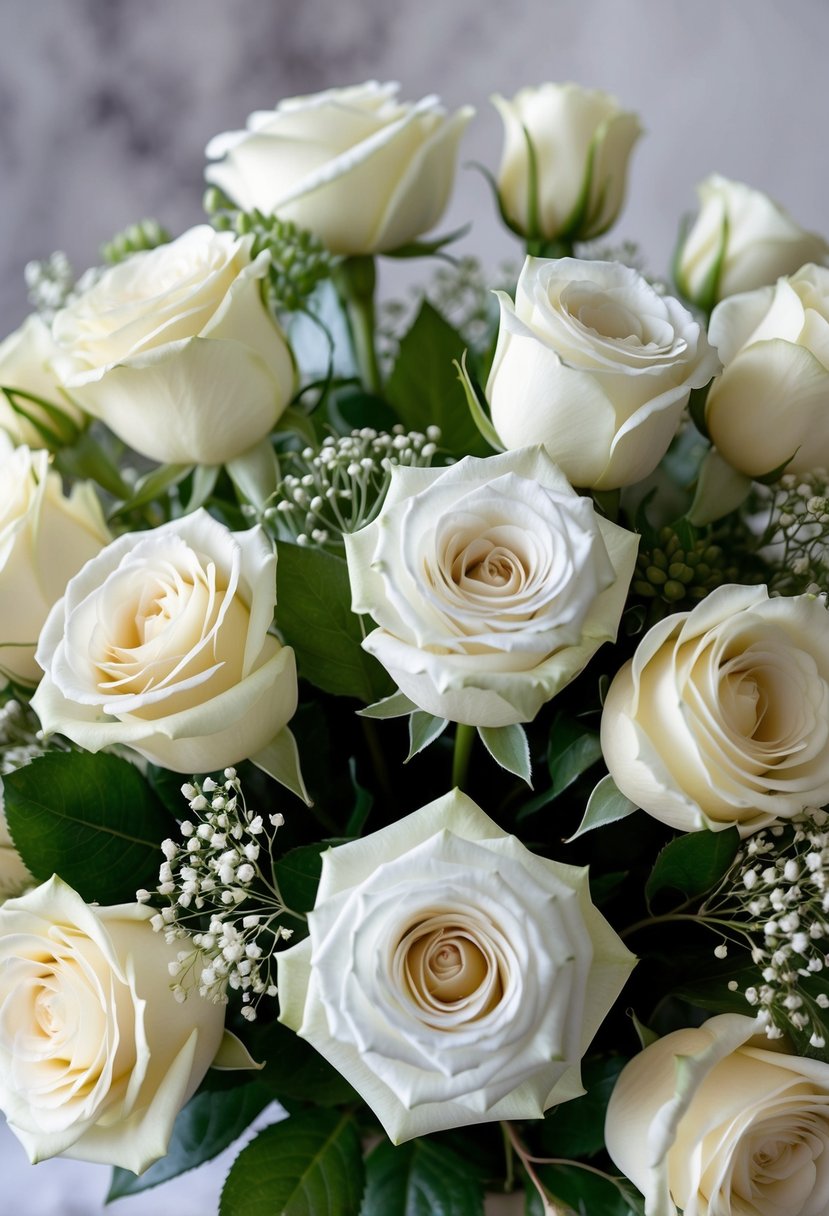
[107, 106]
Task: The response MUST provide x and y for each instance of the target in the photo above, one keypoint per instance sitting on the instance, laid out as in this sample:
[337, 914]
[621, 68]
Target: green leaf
[424, 729]
[153, 485]
[576, 1128]
[693, 864]
[309, 1165]
[398, 705]
[421, 1178]
[508, 746]
[92, 819]
[422, 388]
[607, 804]
[573, 749]
[313, 611]
[298, 875]
[294, 1071]
[209, 1122]
[351, 409]
[476, 401]
[363, 802]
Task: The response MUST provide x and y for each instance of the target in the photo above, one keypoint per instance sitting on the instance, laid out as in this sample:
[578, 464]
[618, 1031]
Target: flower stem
[549, 1207]
[355, 280]
[667, 917]
[464, 738]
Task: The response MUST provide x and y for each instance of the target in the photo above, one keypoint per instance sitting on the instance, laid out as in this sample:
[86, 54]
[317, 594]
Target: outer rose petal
[592, 363]
[672, 738]
[218, 712]
[363, 172]
[478, 675]
[170, 1045]
[354, 877]
[175, 351]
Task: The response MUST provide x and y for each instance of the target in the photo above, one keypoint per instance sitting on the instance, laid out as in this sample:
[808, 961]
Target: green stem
[667, 917]
[539, 247]
[378, 759]
[509, 1155]
[355, 280]
[464, 738]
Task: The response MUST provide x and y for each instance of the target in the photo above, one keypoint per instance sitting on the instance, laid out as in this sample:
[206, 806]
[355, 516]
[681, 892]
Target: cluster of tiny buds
[340, 487]
[21, 738]
[51, 283]
[778, 892]
[221, 896]
[795, 536]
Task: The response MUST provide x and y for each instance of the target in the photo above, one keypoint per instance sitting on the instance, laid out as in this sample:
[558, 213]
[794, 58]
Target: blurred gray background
[107, 106]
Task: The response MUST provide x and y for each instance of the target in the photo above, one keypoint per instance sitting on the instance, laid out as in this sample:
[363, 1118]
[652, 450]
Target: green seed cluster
[299, 260]
[146, 234]
[675, 574]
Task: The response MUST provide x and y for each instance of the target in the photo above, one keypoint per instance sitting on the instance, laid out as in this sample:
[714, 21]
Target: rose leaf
[508, 746]
[607, 804]
[313, 612]
[692, 864]
[92, 819]
[421, 387]
[420, 1178]
[311, 1162]
[210, 1121]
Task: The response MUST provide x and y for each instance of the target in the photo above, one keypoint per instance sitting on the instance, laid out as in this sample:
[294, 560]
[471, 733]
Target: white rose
[45, 538]
[450, 975]
[582, 141]
[162, 643]
[709, 1122]
[492, 583]
[769, 406]
[26, 365]
[96, 1055]
[722, 716]
[363, 171]
[740, 240]
[175, 351]
[597, 366]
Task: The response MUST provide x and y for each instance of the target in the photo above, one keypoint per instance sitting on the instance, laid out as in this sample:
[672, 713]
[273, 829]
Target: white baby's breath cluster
[21, 739]
[777, 893]
[51, 283]
[796, 534]
[340, 487]
[222, 896]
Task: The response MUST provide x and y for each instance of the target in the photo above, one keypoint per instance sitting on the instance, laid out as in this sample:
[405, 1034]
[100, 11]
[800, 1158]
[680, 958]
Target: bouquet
[416, 713]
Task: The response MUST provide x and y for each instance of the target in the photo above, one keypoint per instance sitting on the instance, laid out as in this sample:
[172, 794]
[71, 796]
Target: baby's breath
[51, 283]
[340, 487]
[21, 739]
[221, 896]
[777, 895]
[795, 539]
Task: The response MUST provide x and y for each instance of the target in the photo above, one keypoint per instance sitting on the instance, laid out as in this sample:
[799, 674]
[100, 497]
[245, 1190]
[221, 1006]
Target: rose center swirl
[445, 967]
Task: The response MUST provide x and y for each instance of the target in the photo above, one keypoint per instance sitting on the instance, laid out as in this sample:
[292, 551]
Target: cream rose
[740, 240]
[597, 366]
[96, 1055]
[711, 1122]
[492, 583]
[175, 351]
[362, 170]
[26, 365]
[162, 643]
[450, 975]
[722, 716]
[769, 406]
[45, 538]
[582, 141]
